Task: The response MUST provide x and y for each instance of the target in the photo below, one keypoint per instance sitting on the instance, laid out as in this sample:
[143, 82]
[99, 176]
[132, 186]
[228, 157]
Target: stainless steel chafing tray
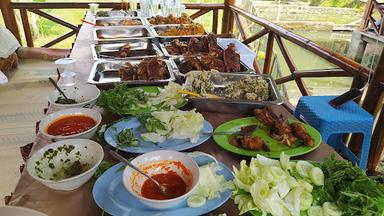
[140, 48]
[177, 60]
[119, 13]
[167, 42]
[157, 28]
[119, 33]
[118, 21]
[107, 72]
[226, 105]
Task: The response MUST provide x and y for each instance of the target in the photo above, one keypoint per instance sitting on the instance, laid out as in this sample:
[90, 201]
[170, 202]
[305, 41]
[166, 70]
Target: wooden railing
[8, 8]
[369, 21]
[232, 20]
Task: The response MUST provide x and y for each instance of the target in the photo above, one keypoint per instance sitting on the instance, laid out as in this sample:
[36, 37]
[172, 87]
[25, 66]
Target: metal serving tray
[157, 28]
[140, 48]
[107, 72]
[231, 105]
[120, 33]
[177, 60]
[119, 13]
[117, 21]
[149, 23]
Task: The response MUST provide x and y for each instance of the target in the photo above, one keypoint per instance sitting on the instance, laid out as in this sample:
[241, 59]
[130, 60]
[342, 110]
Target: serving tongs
[194, 94]
[244, 131]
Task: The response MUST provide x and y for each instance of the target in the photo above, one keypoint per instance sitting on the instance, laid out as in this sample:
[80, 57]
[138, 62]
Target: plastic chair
[333, 123]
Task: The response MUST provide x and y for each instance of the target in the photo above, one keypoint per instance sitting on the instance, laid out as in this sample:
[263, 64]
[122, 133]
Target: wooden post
[367, 13]
[9, 18]
[228, 19]
[26, 27]
[268, 54]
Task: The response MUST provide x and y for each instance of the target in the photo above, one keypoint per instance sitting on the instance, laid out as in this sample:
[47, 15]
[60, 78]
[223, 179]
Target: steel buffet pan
[118, 13]
[120, 33]
[119, 21]
[140, 48]
[107, 72]
[157, 28]
[232, 105]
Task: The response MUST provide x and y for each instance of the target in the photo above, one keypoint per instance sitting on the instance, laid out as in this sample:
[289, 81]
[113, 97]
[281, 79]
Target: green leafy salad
[123, 100]
[283, 187]
[161, 125]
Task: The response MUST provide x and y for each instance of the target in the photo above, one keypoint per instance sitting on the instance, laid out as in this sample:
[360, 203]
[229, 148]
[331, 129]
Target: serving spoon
[163, 189]
[58, 88]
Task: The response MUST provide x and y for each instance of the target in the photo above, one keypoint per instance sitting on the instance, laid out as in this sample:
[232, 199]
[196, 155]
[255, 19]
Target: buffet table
[32, 194]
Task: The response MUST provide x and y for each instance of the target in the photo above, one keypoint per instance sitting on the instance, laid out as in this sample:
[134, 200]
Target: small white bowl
[49, 119]
[85, 94]
[90, 152]
[133, 181]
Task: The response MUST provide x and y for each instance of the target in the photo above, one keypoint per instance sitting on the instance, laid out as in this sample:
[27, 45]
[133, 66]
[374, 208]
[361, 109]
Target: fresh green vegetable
[196, 201]
[104, 166]
[172, 124]
[275, 187]
[210, 185]
[355, 193]
[123, 100]
[63, 100]
[126, 138]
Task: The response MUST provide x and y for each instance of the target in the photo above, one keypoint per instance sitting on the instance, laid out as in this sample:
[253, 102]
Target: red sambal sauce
[70, 124]
[175, 186]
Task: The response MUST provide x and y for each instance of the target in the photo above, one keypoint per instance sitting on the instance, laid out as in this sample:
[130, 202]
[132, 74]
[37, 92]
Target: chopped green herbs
[63, 100]
[126, 138]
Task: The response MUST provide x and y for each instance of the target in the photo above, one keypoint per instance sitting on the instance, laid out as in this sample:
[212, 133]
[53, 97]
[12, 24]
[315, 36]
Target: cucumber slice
[307, 186]
[306, 200]
[317, 176]
[330, 209]
[196, 201]
[315, 211]
[304, 168]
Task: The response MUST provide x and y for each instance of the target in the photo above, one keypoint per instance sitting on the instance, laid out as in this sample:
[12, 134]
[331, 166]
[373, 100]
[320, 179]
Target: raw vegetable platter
[112, 132]
[282, 187]
[110, 194]
[263, 132]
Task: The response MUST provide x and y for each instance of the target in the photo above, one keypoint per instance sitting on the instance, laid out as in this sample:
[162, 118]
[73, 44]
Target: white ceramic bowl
[147, 162]
[86, 151]
[85, 94]
[49, 119]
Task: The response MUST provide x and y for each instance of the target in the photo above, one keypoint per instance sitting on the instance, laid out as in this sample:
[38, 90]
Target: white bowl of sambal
[175, 170]
[70, 123]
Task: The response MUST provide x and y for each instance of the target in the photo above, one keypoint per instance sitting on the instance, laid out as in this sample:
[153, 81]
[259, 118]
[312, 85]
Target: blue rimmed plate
[110, 195]
[143, 147]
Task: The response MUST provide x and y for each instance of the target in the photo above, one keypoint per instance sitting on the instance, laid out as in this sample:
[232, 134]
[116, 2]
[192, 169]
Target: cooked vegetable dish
[192, 29]
[170, 19]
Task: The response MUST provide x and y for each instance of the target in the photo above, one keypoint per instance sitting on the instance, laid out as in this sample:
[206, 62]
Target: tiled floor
[21, 104]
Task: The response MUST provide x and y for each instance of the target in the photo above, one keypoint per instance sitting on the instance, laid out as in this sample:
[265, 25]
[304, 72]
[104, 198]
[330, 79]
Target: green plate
[263, 132]
[151, 89]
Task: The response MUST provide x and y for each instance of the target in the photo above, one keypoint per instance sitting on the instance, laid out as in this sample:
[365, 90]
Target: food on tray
[281, 130]
[129, 22]
[176, 124]
[173, 183]
[62, 100]
[148, 69]
[247, 88]
[124, 51]
[123, 100]
[170, 19]
[126, 138]
[70, 166]
[210, 185]
[205, 44]
[191, 29]
[279, 187]
[210, 56]
[102, 13]
[70, 124]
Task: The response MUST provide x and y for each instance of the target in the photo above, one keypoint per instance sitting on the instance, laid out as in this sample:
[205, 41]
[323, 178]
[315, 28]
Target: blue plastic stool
[333, 123]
